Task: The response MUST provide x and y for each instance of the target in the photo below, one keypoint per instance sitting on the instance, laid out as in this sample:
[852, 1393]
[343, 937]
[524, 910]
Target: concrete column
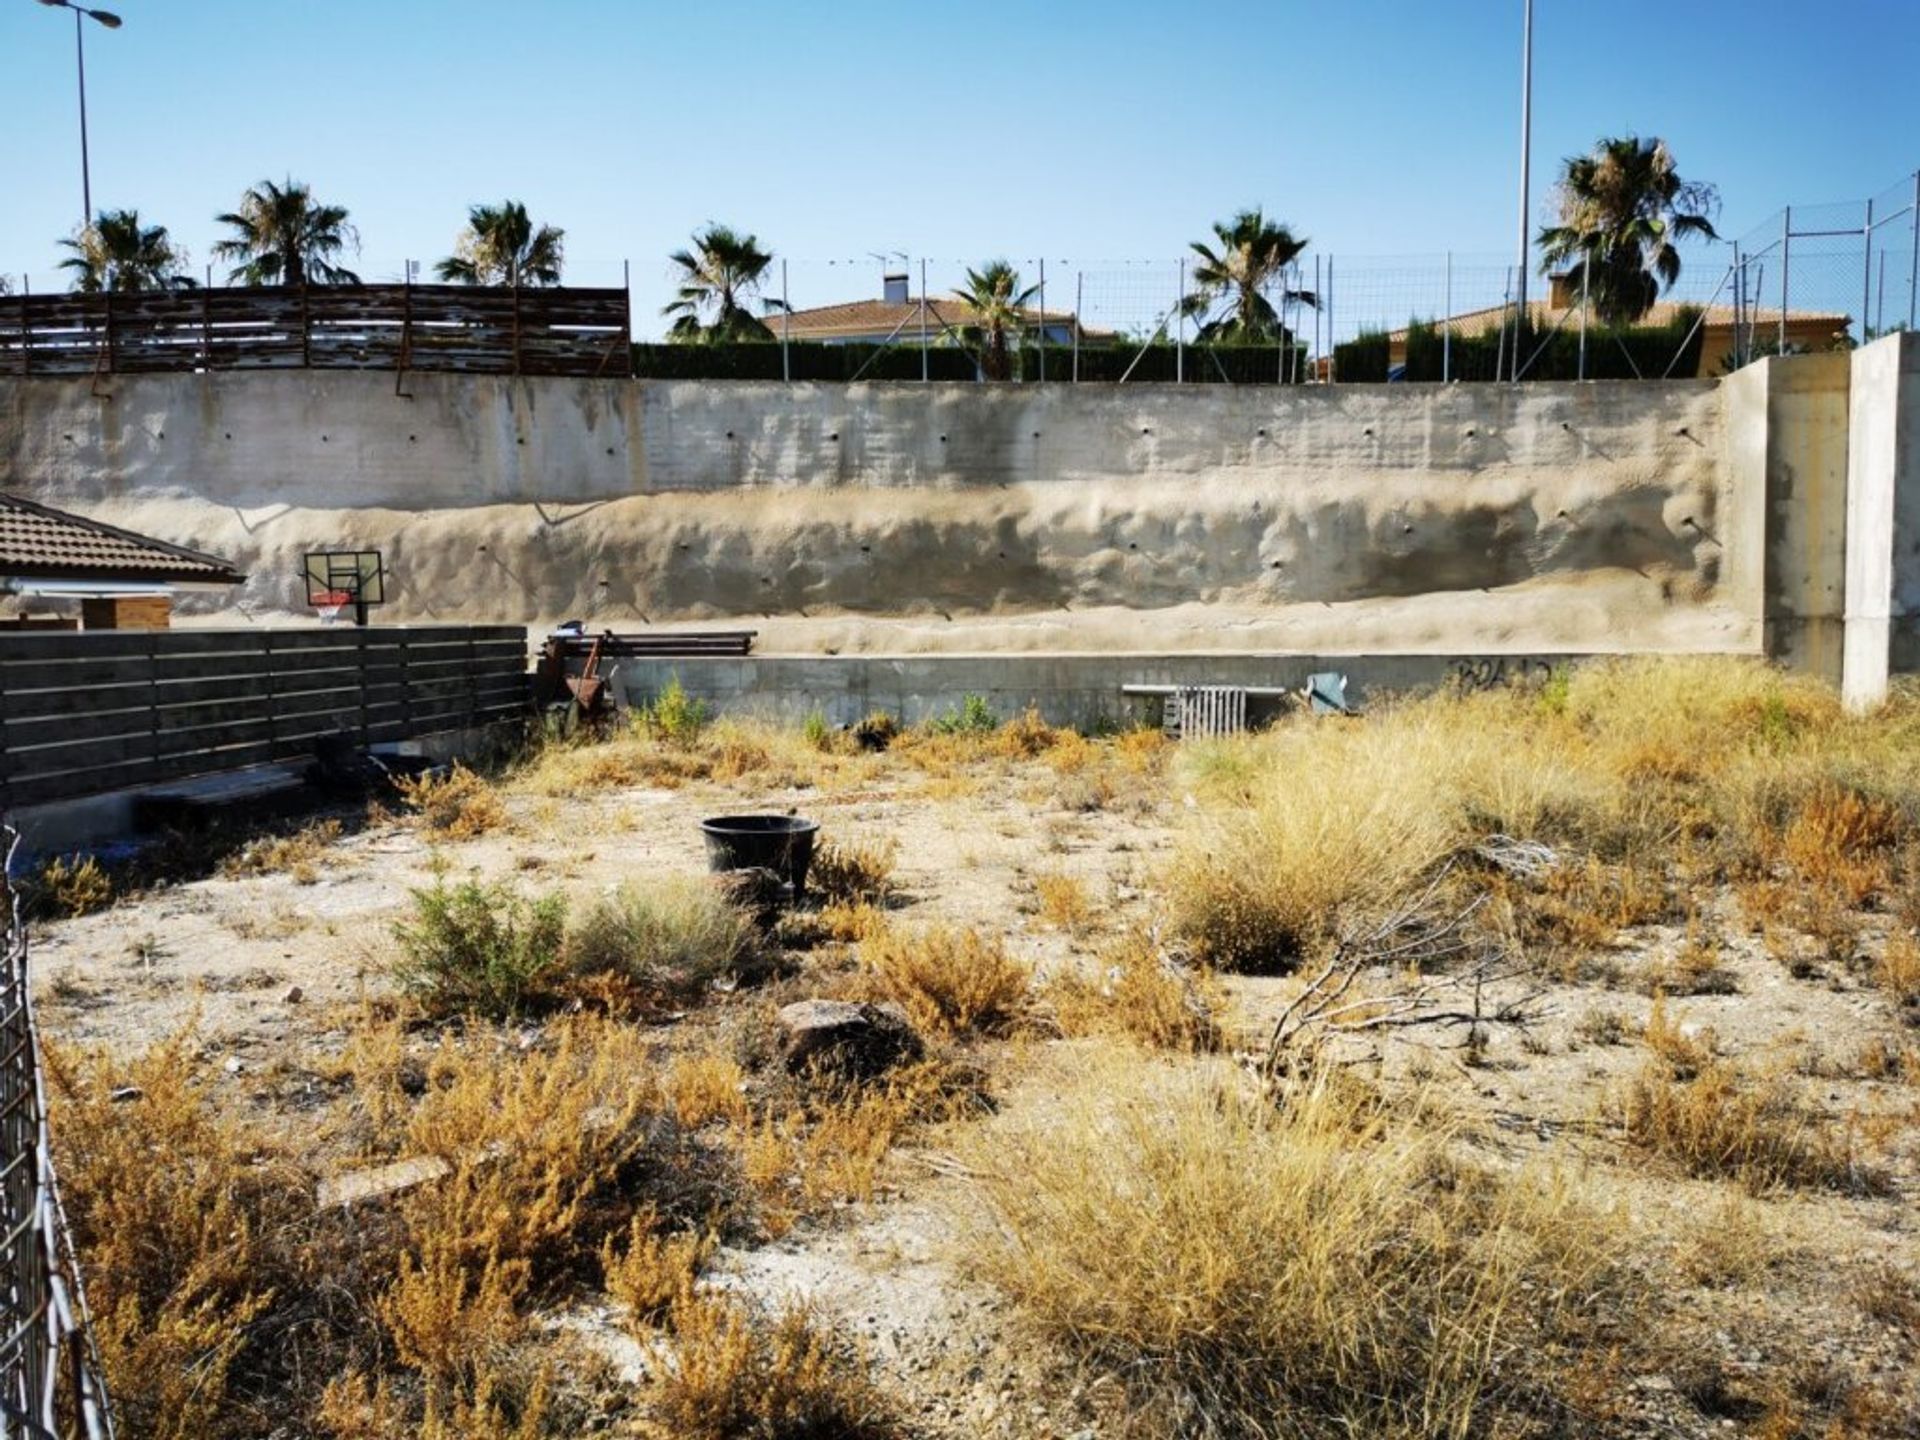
[1787, 440]
[1883, 518]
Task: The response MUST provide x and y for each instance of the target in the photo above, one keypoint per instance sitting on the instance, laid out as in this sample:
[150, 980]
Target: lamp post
[1526, 172]
[112, 22]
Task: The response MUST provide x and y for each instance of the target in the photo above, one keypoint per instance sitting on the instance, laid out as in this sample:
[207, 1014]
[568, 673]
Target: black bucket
[780, 843]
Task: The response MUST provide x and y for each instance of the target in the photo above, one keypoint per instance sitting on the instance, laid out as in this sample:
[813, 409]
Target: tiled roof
[49, 544]
[881, 317]
[1545, 314]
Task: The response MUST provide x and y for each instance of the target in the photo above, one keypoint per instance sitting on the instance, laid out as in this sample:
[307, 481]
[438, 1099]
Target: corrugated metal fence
[84, 712]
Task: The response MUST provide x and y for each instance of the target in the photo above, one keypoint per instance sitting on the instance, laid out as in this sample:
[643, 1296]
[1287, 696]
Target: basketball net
[329, 603]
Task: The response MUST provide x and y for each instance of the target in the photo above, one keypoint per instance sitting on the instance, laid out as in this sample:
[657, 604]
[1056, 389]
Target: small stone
[232, 1065]
[125, 1093]
[293, 996]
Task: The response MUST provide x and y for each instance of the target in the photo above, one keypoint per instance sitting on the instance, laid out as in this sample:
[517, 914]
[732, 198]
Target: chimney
[1564, 294]
[895, 290]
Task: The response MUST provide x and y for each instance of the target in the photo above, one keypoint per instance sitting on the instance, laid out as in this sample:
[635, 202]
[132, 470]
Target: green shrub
[973, 717]
[677, 938]
[481, 950]
[816, 732]
[675, 716]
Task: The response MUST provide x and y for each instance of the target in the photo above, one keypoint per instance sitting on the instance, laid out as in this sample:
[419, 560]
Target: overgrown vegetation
[480, 949]
[1324, 1259]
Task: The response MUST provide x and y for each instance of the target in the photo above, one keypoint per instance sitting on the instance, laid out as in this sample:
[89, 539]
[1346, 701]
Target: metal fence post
[1333, 355]
[1586, 270]
[1180, 327]
[1913, 258]
[786, 324]
[923, 320]
[1078, 277]
[1866, 278]
[1786, 249]
[1318, 291]
[1043, 319]
[1446, 326]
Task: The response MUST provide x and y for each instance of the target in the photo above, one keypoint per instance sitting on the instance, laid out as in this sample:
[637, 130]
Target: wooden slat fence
[469, 329]
[82, 712]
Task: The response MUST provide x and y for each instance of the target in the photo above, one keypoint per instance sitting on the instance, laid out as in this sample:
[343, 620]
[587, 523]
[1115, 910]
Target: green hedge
[813, 360]
[1362, 360]
[1629, 352]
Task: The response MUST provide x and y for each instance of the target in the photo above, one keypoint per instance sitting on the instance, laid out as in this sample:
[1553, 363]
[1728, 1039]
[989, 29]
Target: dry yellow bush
[1063, 900]
[1897, 971]
[849, 924]
[853, 872]
[533, 1141]
[189, 1228]
[654, 1268]
[458, 805]
[728, 1375]
[704, 1088]
[1726, 1122]
[1025, 736]
[1320, 1258]
[955, 982]
[66, 886]
[1140, 992]
[1841, 840]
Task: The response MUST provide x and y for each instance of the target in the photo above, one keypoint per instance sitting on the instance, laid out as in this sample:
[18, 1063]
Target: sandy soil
[265, 970]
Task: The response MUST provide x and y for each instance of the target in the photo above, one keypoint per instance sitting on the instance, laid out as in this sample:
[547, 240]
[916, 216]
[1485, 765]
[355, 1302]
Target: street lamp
[1526, 174]
[112, 22]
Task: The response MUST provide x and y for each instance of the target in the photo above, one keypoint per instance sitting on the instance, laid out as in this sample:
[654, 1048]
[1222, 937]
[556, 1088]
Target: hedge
[815, 360]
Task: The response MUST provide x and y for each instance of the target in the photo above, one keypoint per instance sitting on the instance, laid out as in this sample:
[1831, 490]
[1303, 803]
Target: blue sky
[1088, 132]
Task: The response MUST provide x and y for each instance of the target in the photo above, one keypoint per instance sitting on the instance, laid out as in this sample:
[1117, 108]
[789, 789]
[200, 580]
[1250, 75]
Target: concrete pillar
[1786, 423]
[1883, 518]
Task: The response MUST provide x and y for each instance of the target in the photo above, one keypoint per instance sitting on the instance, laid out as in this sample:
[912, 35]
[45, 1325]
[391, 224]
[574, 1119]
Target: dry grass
[670, 942]
[1719, 1120]
[297, 855]
[949, 981]
[728, 1374]
[458, 805]
[1063, 901]
[702, 1088]
[1897, 972]
[1626, 768]
[853, 872]
[1140, 992]
[1320, 1260]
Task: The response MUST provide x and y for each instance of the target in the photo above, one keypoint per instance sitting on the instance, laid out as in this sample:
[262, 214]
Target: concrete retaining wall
[903, 518]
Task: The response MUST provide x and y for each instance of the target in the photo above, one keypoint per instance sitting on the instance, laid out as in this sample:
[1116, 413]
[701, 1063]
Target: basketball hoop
[330, 603]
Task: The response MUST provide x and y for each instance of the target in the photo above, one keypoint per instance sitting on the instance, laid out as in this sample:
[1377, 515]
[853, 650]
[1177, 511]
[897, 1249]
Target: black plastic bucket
[780, 843]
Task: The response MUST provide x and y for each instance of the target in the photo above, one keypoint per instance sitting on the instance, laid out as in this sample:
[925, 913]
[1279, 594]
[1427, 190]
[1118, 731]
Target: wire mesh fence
[49, 1373]
[1808, 277]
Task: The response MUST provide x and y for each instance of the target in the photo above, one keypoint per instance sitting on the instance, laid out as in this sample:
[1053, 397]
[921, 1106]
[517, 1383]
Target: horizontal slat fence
[469, 329]
[83, 712]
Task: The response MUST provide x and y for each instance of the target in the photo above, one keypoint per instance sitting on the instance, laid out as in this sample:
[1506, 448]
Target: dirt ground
[267, 971]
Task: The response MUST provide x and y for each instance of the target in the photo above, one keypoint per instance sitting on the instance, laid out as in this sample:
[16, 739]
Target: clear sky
[1086, 132]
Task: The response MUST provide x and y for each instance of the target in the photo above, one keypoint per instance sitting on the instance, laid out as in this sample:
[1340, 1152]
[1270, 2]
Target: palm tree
[999, 308]
[719, 276]
[118, 253]
[1254, 252]
[501, 247]
[1622, 207]
[281, 237]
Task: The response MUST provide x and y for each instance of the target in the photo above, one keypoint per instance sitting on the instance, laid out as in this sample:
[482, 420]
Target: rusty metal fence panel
[477, 330]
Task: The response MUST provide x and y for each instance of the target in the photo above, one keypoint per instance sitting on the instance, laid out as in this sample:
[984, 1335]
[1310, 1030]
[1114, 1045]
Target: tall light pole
[1526, 171]
[112, 22]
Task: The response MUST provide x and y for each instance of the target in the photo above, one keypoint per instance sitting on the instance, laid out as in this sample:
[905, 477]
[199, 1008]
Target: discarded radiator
[1198, 712]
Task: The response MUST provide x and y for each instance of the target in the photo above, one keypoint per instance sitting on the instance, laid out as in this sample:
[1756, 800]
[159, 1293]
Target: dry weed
[1320, 1259]
[654, 1268]
[954, 982]
[1726, 1122]
[68, 886]
[853, 872]
[297, 855]
[1143, 993]
[728, 1374]
[703, 1088]
[1063, 901]
[458, 805]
